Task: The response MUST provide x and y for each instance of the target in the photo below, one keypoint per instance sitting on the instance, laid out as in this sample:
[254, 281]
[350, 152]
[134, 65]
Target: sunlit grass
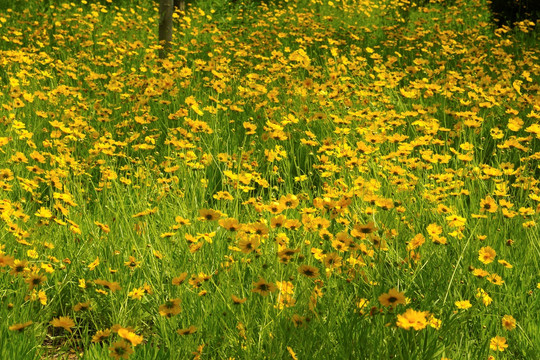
[312, 180]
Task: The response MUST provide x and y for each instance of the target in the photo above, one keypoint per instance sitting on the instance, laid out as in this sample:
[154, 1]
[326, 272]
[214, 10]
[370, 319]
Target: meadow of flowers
[297, 180]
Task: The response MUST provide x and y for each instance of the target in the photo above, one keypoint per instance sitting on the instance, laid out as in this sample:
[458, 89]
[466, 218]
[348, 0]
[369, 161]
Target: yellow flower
[416, 242]
[482, 294]
[498, 343]
[121, 350]
[63, 322]
[263, 288]
[237, 301]
[434, 322]
[179, 279]
[209, 214]
[508, 322]
[463, 304]
[188, 331]
[392, 298]
[292, 353]
[132, 263]
[332, 260]
[94, 263]
[44, 213]
[486, 254]
[456, 221]
[488, 204]
[48, 268]
[32, 254]
[308, 271]
[42, 296]
[35, 279]
[412, 318]
[136, 293]
[101, 335]
[82, 306]
[247, 244]
[20, 327]
[170, 308]
[130, 336]
[19, 267]
[6, 260]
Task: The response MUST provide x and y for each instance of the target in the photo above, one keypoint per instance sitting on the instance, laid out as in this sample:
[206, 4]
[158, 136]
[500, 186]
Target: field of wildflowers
[351, 179]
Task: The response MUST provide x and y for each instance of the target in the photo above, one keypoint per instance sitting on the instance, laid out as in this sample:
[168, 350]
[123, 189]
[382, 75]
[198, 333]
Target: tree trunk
[180, 5]
[165, 26]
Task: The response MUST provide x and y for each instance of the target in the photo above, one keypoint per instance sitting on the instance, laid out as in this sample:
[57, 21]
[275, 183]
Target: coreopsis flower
[292, 224]
[32, 253]
[82, 306]
[498, 343]
[258, 229]
[292, 353]
[484, 297]
[488, 204]
[278, 221]
[19, 267]
[43, 212]
[416, 242]
[434, 322]
[64, 322]
[101, 335]
[298, 320]
[248, 244]
[132, 263]
[137, 293]
[170, 308]
[263, 288]
[182, 221]
[188, 331]
[392, 298]
[20, 327]
[6, 260]
[237, 301]
[111, 285]
[463, 304]
[486, 254]
[456, 221]
[480, 273]
[508, 322]
[412, 319]
[250, 128]
[105, 228]
[285, 254]
[121, 350]
[230, 224]
[332, 260]
[275, 207]
[130, 336]
[209, 214]
[309, 271]
[361, 231]
[35, 279]
[289, 201]
[495, 279]
[94, 264]
[179, 279]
